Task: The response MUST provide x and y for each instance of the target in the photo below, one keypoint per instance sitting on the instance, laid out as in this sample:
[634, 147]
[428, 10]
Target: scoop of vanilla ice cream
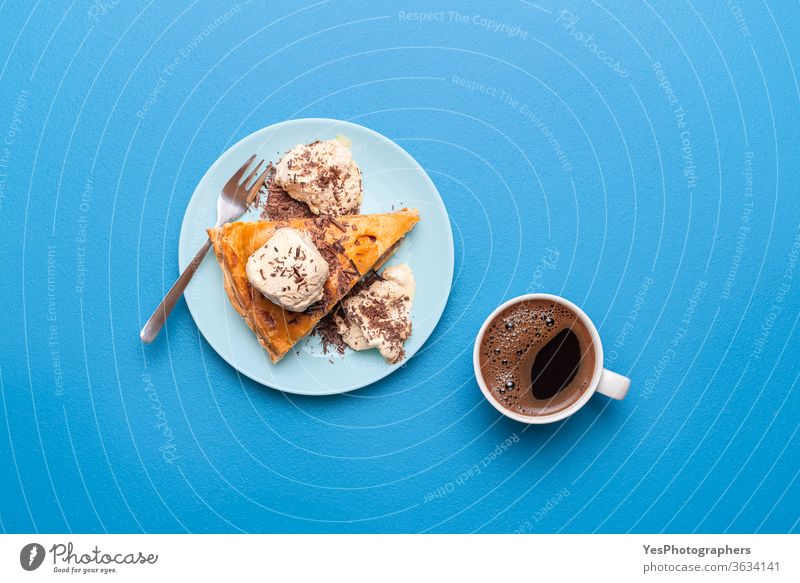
[379, 315]
[289, 270]
[323, 175]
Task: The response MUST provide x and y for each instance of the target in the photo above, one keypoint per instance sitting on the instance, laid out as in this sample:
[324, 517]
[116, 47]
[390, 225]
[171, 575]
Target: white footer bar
[355, 558]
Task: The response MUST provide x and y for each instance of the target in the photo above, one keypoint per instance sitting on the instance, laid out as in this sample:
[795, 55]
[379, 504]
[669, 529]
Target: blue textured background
[680, 241]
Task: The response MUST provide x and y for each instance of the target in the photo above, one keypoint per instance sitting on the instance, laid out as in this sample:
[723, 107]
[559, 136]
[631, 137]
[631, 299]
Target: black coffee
[537, 357]
[556, 365]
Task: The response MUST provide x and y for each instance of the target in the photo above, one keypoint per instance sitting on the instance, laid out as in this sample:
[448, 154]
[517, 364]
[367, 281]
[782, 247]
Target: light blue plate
[392, 180]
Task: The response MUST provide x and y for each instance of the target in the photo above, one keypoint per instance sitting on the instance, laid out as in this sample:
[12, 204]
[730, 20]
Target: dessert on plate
[269, 268]
[285, 275]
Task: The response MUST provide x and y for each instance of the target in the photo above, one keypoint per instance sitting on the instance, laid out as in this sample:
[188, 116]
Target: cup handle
[613, 385]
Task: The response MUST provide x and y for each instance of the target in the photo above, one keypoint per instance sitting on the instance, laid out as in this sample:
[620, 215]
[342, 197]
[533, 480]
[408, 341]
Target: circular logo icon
[31, 556]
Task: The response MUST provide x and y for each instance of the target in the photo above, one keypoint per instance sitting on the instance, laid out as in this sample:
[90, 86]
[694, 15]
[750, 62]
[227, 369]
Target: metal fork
[232, 203]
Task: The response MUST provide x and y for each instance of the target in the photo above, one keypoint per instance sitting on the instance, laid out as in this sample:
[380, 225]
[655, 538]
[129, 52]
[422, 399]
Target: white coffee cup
[603, 381]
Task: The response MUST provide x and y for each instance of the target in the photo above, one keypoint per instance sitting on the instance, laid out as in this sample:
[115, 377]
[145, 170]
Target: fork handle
[160, 315]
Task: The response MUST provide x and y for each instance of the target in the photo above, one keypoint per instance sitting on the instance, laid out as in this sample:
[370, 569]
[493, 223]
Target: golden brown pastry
[352, 245]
